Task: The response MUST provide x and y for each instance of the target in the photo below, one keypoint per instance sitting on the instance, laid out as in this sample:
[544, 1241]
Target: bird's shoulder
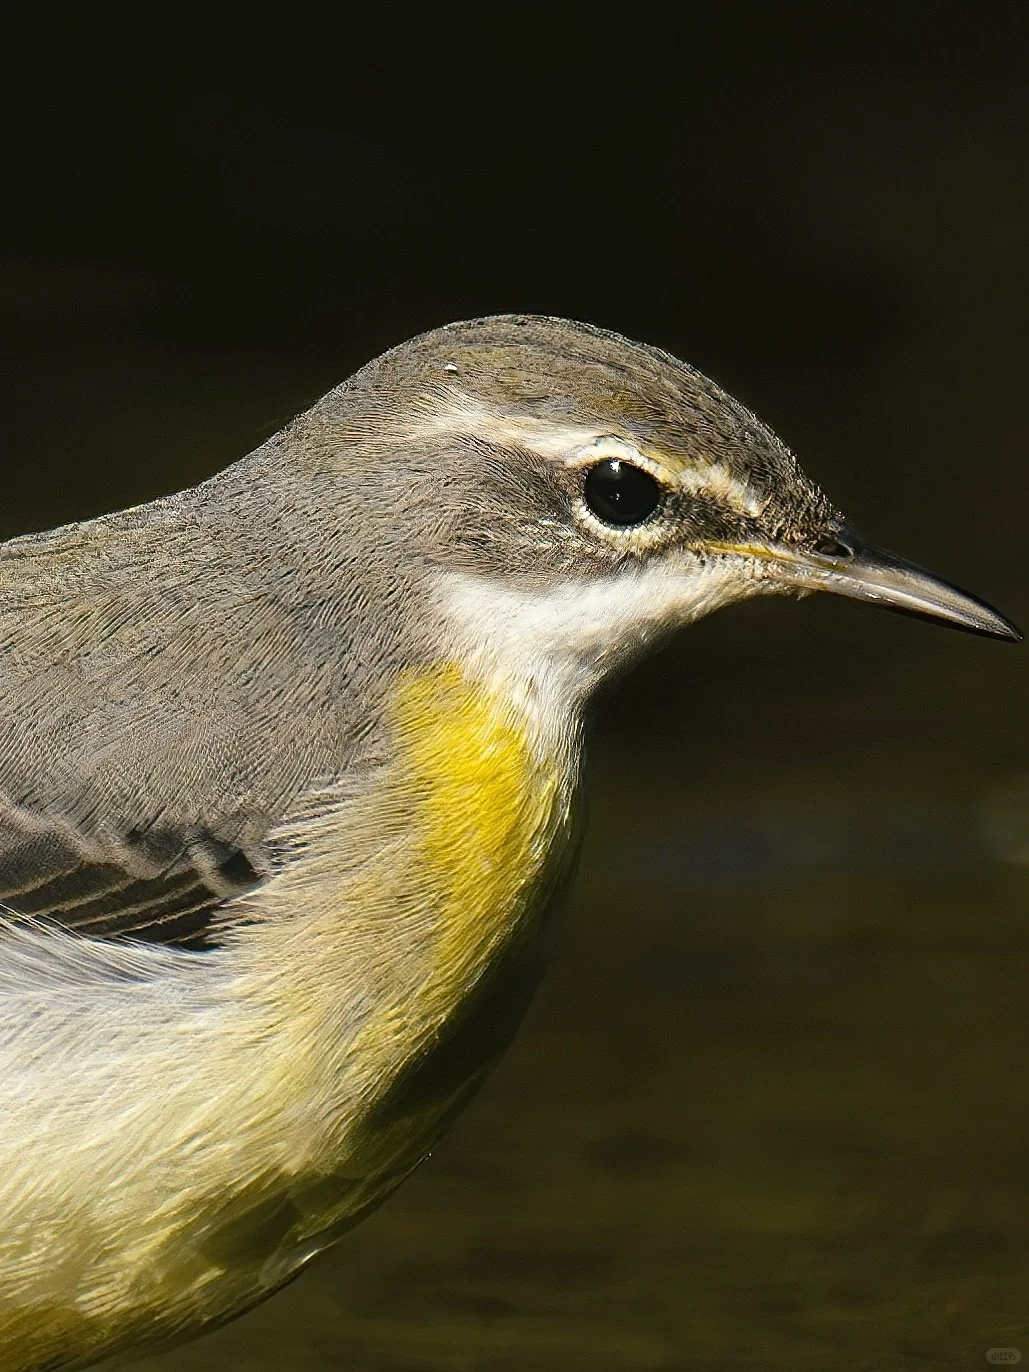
[170, 688]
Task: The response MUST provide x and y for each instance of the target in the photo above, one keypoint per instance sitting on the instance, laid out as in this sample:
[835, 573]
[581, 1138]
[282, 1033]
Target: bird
[291, 788]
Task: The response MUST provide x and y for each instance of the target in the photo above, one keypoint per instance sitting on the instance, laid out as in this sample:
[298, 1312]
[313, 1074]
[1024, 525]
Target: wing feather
[45, 880]
[174, 680]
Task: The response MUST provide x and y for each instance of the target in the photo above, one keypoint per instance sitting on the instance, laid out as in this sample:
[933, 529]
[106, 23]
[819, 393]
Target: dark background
[771, 1108]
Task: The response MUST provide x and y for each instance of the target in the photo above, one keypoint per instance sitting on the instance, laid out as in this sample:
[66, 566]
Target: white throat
[551, 647]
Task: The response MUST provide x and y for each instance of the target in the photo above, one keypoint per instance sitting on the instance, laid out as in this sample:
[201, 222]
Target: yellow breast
[419, 940]
[487, 811]
[489, 815]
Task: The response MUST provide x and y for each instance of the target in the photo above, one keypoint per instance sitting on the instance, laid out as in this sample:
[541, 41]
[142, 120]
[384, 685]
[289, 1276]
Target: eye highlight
[620, 493]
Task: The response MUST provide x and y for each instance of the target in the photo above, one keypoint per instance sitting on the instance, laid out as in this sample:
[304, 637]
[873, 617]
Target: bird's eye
[619, 493]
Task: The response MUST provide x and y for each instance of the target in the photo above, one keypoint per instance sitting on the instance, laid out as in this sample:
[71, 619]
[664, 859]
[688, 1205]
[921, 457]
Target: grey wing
[166, 696]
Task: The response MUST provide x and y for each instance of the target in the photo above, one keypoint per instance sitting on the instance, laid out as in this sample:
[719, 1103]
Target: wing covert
[45, 877]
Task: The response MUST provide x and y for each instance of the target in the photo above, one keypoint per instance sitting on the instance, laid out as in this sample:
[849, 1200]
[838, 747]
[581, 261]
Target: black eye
[619, 493]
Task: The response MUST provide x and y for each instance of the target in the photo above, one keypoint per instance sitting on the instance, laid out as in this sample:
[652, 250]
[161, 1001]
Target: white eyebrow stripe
[463, 415]
[572, 443]
[716, 481]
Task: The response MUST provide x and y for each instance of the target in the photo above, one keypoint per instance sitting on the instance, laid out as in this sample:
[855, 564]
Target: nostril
[833, 547]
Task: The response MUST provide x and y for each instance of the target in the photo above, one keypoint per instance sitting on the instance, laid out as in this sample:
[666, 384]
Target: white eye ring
[638, 537]
[611, 448]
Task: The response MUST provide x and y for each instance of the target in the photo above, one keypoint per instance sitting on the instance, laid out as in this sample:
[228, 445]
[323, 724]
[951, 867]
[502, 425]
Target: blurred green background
[771, 1107]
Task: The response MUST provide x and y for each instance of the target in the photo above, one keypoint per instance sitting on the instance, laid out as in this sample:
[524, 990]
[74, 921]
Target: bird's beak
[863, 572]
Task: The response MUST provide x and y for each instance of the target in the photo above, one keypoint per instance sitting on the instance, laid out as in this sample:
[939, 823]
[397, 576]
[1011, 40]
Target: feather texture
[288, 774]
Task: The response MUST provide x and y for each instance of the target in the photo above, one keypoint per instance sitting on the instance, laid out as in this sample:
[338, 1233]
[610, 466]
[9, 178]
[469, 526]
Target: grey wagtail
[289, 777]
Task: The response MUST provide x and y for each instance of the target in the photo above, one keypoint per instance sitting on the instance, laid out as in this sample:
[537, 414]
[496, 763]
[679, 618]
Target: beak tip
[1007, 632]
[978, 617]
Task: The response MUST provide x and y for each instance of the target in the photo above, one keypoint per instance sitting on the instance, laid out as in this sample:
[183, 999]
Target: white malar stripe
[552, 646]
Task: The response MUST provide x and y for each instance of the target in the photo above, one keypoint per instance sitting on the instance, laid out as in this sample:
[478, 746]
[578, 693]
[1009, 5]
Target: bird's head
[581, 496]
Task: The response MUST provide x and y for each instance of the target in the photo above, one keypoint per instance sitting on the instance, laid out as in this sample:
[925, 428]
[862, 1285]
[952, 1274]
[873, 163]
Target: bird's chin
[862, 572]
